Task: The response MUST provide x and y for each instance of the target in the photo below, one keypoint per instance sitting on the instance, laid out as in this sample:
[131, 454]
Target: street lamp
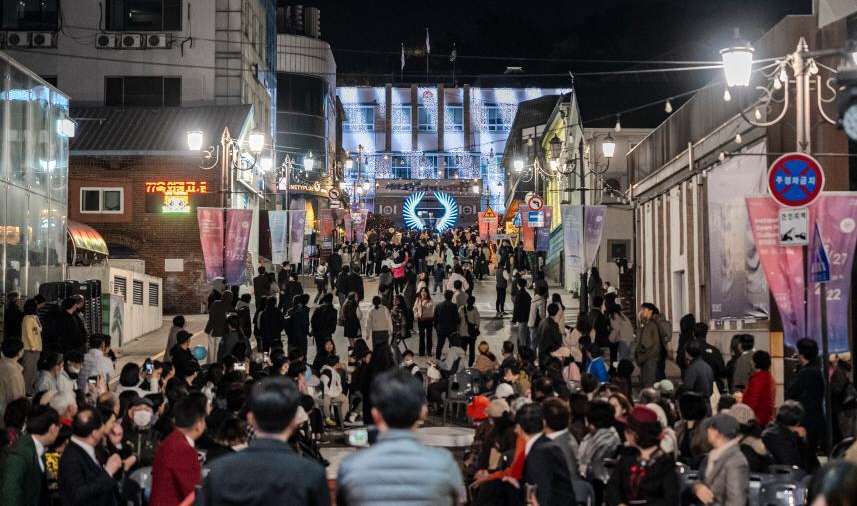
[194, 140]
[556, 146]
[266, 163]
[608, 147]
[349, 163]
[230, 156]
[737, 62]
[518, 164]
[256, 141]
[309, 162]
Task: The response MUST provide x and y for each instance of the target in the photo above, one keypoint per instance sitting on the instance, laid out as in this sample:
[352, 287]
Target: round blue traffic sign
[795, 180]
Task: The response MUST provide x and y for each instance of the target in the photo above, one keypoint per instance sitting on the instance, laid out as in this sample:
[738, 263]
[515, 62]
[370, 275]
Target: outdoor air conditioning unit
[157, 40]
[131, 41]
[106, 41]
[42, 39]
[17, 39]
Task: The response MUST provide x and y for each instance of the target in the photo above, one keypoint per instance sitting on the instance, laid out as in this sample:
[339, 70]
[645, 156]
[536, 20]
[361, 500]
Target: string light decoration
[428, 99]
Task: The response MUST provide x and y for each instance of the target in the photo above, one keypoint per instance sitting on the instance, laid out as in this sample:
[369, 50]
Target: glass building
[34, 131]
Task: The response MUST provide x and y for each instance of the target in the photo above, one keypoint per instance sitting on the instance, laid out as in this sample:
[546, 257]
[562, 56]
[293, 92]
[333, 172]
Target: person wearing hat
[750, 438]
[139, 433]
[724, 473]
[644, 474]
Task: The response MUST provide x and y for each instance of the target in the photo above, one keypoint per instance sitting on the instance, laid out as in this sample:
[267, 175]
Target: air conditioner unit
[17, 39]
[42, 39]
[131, 41]
[106, 41]
[157, 40]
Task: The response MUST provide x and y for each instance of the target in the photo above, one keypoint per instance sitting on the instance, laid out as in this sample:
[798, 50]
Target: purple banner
[211, 238]
[593, 227]
[835, 216]
[543, 234]
[238, 224]
[297, 223]
[783, 266]
[358, 224]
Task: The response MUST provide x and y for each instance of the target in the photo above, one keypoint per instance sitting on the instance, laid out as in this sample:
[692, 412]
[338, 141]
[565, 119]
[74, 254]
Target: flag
[428, 44]
[403, 56]
[454, 54]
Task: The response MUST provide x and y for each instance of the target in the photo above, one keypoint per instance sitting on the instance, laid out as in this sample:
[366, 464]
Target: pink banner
[783, 266]
[326, 225]
[528, 233]
[835, 216]
[211, 238]
[238, 224]
[358, 224]
[346, 224]
[483, 226]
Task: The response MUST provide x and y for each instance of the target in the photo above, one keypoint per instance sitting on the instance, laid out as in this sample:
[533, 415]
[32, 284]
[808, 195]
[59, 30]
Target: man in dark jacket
[342, 283]
[323, 321]
[521, 313]
[293, 287]
[297, 324]
[183, 360]
[278, 476]
[334, 265]
[261, 285]
[73, 337]
[550, 337]
[711, 354]
[22, 476]
[82, 479]
[545, 466]
[13, 317]
[445, 320]
[354, 283]
[786, 441]
[698, 376]
[808, 389]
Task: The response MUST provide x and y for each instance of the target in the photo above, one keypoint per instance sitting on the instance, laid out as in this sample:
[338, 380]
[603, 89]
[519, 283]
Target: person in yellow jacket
[31, 335]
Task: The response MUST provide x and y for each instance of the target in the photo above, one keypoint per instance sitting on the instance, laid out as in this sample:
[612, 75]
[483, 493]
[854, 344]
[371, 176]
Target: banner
[528, 233]
[238, 224]
[483, 226]
[543, 234]
[297, 223]
[346, 224]
[782, 266]
[211, 237]
[572, 234]
[737, 286]
[593, 228]
[358, 222]
[835, 216]
[277, 223]
[326, 219]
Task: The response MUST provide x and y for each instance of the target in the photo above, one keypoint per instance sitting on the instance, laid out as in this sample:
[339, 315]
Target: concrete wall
[138, 317]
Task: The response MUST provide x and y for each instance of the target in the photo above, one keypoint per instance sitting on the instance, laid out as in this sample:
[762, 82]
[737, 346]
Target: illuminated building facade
[419, 132]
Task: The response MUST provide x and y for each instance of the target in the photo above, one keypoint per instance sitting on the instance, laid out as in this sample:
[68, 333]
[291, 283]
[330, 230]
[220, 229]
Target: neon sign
[447, 221]
[177, 193]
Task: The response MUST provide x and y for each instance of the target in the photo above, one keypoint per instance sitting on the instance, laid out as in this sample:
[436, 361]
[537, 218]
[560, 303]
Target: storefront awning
[511, 211]
[86, 238]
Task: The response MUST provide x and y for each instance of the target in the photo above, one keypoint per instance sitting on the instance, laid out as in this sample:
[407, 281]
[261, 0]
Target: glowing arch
[450, 217]
[409, 211]
[414, 222]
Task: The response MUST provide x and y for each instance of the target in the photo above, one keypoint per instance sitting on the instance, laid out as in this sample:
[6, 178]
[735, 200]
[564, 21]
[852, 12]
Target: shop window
[144, 15]
[102, 200]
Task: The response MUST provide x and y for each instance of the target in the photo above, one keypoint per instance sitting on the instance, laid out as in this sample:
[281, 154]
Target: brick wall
[153, 236]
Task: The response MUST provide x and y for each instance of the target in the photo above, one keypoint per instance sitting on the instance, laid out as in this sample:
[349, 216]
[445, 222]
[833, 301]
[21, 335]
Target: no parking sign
[795, 180]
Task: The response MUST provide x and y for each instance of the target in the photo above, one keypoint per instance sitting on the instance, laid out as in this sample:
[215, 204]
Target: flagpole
[428, 53]
[402, 66]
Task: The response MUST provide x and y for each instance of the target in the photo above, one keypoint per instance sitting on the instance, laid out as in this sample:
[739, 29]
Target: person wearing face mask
[140, 435]
[409, 365]
[177, 470]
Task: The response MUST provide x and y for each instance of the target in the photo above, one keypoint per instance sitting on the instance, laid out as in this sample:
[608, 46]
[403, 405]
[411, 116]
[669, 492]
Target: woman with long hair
[424, 314]
[350, 318]
[468, 327]
[31, 335]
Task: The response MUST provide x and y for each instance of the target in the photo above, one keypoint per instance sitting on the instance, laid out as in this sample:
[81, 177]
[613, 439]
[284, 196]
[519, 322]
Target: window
[454, 119]
[402, 118]
[426, 122]
[120, 287]
[618, 249]
[154, 294]
[142, 91]
[144, 15]
[137, 292]
[30, 15]
[453, 166]
[360, 118]
[102, 200]
[495, 120]
[401, 166]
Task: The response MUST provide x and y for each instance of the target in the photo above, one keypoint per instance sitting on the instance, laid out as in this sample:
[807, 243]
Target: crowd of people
[562, 414]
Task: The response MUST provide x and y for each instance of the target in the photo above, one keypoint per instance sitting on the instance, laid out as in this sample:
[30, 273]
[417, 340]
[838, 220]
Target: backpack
[665, 329]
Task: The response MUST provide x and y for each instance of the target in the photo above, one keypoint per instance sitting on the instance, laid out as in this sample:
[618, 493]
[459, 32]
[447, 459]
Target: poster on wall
[211, 238]
[297, 222]
[738, 288]
[238, 224]
[277, 223]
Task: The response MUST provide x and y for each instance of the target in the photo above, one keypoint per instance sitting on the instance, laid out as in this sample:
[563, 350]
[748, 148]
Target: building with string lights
[428, 135]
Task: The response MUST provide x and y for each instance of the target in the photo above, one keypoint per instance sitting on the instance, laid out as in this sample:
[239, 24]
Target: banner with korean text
[211, 238]
[834, 214]
[238, 224]
[277, 224]
[543, 234]
[528, 233]
[297, 223]
[326, 219]
[782, 266]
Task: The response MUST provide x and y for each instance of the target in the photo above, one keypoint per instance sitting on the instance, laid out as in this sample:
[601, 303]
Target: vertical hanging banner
[358, 224]
[297, 223]
[346, 224]
[528, 233]
[543, 234]
[277, 224]
[483, 226]
[593, 228]
[238, 224]
[782, 266]
[572, 234]
[211, 238]
[326, 219]
[488, 224]
[834, 215]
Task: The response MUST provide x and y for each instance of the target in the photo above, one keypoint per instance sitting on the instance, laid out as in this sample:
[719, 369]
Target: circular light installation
[414, 222]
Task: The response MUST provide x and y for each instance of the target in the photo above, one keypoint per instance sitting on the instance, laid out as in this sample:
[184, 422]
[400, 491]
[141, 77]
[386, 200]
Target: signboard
[794, 226]
[176, 193]
[536, 219]
[489, 216]
[795, 180]
[535, 203]
[334, 194]
[819, 265]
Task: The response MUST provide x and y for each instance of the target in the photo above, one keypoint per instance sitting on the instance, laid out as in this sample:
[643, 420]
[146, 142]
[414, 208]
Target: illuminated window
[426, 122]
[402, 118]
[453, 166]
[102, 200]
[401, 166]
[495, 120]
[454, 119]
[359, 118]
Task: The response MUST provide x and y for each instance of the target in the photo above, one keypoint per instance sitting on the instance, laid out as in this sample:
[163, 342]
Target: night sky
[366, 35]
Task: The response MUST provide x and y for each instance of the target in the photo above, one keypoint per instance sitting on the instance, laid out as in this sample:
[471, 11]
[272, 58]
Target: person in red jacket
[760, 393]
[176, 471]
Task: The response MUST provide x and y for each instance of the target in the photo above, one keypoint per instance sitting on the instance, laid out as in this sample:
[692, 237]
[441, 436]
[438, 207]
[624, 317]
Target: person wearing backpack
[649, 345]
